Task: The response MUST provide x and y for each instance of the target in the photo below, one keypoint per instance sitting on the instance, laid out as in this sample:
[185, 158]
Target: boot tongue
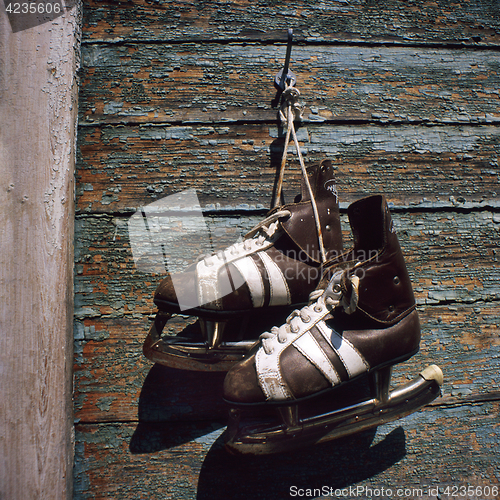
[385, 292]
[320, 179]
[301, 226]
[370, 221]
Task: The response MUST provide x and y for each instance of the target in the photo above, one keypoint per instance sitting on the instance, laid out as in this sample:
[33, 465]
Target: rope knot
[291, 108]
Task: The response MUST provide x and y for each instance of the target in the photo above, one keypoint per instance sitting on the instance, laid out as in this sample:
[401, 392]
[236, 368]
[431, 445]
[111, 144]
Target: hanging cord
[277, 196]
[290, 105]
[290, 111]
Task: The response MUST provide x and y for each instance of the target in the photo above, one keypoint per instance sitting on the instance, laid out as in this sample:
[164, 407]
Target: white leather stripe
[269, 373]
[209, 288]
[354, 363]
[251, 274]
[280, 294]
[207, 277]
[310, 348]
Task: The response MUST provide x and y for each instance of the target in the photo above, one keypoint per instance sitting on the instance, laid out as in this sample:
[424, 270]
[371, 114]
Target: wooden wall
[404, 98]
[38, 112]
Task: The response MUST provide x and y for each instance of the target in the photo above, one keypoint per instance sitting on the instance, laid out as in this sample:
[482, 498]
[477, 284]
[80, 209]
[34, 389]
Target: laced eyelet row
[323, 300]
[264, 232]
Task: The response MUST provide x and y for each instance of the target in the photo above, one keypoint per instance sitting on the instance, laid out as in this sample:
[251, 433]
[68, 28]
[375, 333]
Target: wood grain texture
[114, 382]
[403, 97]
[451, 258]
[158, 83]
[188, 461]
[121, 168]
[38, 105]
[414, 22]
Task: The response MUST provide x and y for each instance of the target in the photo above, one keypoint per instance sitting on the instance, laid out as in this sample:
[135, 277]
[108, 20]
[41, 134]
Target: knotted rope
[291, 110]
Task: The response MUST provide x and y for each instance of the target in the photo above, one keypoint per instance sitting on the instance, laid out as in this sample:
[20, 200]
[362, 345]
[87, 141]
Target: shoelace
[258, 234]
[290, 111]
[322, 298]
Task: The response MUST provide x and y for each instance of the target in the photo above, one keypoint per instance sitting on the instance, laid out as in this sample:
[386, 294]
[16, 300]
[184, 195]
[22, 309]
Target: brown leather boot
[290, 391]
[361, 319]
[275, 268]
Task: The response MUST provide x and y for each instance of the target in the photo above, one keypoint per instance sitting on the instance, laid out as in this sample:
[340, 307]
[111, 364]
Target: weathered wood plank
[177, 95]
[452, 258]
[388, 21]
[188, 461]
[162, 83]
[121, 168]
[38, 95]
[114, 382]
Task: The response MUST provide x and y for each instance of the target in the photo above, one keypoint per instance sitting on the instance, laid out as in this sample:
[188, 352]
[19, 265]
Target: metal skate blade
[247, 434]
[380, 382]
[196, 356]
[290, 417]
[186, 354]
[212, 332]
[154, 335]
[185, 347]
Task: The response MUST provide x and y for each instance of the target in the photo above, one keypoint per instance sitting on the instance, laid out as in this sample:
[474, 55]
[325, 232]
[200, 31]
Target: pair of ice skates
[345, 317]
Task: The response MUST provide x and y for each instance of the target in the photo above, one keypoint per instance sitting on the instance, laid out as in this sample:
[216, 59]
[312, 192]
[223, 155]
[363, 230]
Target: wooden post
[38, 109]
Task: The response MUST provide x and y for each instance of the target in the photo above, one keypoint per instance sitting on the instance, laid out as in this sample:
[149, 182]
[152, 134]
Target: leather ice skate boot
[268, 274]
[361, 321]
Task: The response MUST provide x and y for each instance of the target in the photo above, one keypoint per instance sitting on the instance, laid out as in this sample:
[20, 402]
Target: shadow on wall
[326, 467]
[178, 407]
[176, 396]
